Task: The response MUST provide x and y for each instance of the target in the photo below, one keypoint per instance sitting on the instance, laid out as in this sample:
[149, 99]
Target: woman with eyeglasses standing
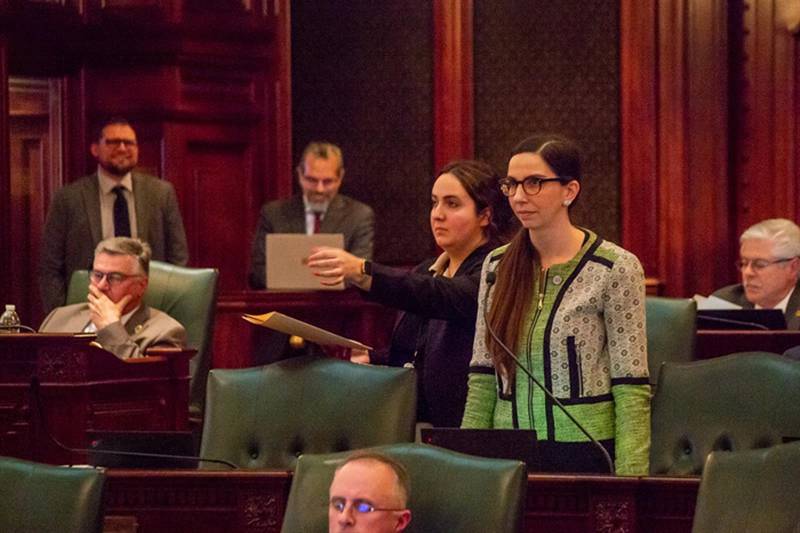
[571, 306]
[438, 299]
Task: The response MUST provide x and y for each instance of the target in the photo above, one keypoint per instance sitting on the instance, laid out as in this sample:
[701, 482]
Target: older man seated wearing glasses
[369, 493]
[769, 263]
[117, 283]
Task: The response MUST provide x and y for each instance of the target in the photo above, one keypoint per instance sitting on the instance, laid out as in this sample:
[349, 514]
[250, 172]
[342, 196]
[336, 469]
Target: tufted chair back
[449, 491]
[736, 402]
[671, 331]
[36, 497]
[265, 417]
[753, 490]
[189, 295]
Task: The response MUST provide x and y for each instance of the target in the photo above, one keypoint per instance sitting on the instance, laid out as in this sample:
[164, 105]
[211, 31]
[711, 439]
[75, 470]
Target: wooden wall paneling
[766, 163]
[785, 128]
[212, 169]
[453, 134]
[639, 133]
[707, 231]
[276, 128]
[35, 173]
[673, 167]
[796, 147]
[687, 169]
[154, 11]
[76, 158]
[6, 237]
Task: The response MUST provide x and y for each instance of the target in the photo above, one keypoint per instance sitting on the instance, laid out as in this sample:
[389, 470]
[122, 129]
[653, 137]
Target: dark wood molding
[765, 155]
[6, 238]
[639, 133]
[277, 132]
[675, 174]
[454, 130]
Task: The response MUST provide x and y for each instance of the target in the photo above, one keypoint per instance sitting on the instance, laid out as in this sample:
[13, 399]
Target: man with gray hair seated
[124, 325]
[769, 261]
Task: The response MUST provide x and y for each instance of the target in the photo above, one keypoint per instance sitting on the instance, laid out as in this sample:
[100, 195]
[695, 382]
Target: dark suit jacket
[735, 294]
[146, 328]
[344, 215]
[434, 332]
[73, 229]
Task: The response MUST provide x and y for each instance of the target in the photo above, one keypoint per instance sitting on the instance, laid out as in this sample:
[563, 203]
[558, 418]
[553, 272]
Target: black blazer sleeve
[422, 294]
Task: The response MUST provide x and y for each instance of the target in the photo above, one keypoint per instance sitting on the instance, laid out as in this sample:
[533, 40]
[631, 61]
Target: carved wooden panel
[212, 169]
[35, 173]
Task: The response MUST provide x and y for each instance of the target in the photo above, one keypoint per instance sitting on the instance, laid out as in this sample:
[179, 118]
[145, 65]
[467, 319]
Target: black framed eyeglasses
[116, 143]
[359, 506]
[532, 185]
[113, 278]
[759, 264]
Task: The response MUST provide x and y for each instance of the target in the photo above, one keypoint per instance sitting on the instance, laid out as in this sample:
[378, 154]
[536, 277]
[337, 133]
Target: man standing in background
[113, 202]
[320, 209]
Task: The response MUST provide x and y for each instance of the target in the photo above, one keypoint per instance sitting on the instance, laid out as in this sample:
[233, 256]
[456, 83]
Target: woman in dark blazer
[438, 299]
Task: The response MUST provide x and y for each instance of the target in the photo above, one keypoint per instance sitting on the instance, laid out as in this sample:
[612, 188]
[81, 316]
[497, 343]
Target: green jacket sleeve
[481, 397]
[632, 431]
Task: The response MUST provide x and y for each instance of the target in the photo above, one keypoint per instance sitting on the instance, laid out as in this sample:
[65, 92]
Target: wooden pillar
[6, 246]
[453, 130]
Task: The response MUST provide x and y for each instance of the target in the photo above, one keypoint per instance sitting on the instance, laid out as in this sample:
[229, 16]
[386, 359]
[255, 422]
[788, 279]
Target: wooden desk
[255, 501]
[82, 388]
[714, 343]
[346, 313]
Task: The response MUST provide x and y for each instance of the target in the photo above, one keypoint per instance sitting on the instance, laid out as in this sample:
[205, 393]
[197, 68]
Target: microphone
[18, 327]
[39, 411]
[491, 278]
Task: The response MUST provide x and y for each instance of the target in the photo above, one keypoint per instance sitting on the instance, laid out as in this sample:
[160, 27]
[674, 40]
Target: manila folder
[292, 326]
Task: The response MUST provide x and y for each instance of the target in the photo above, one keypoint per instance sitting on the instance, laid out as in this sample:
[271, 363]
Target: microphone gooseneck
[491, 278]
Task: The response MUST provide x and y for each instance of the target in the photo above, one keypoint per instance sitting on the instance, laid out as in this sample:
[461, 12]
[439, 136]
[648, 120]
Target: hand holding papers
[292, 326]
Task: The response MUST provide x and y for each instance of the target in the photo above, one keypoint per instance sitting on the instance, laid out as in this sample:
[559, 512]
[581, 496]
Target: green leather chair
[731, 403]
[189, 295]
[449, 491]
[754, 490]
[671, 332]
[265, 417]
[37, 498]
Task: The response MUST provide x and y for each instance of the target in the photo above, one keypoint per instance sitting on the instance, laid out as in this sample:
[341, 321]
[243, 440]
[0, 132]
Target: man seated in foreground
[770, 267]
[124, 325]
[369, 493]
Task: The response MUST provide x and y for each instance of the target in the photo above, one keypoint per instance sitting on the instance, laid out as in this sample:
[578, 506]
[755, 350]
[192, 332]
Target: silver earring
[566, 203]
